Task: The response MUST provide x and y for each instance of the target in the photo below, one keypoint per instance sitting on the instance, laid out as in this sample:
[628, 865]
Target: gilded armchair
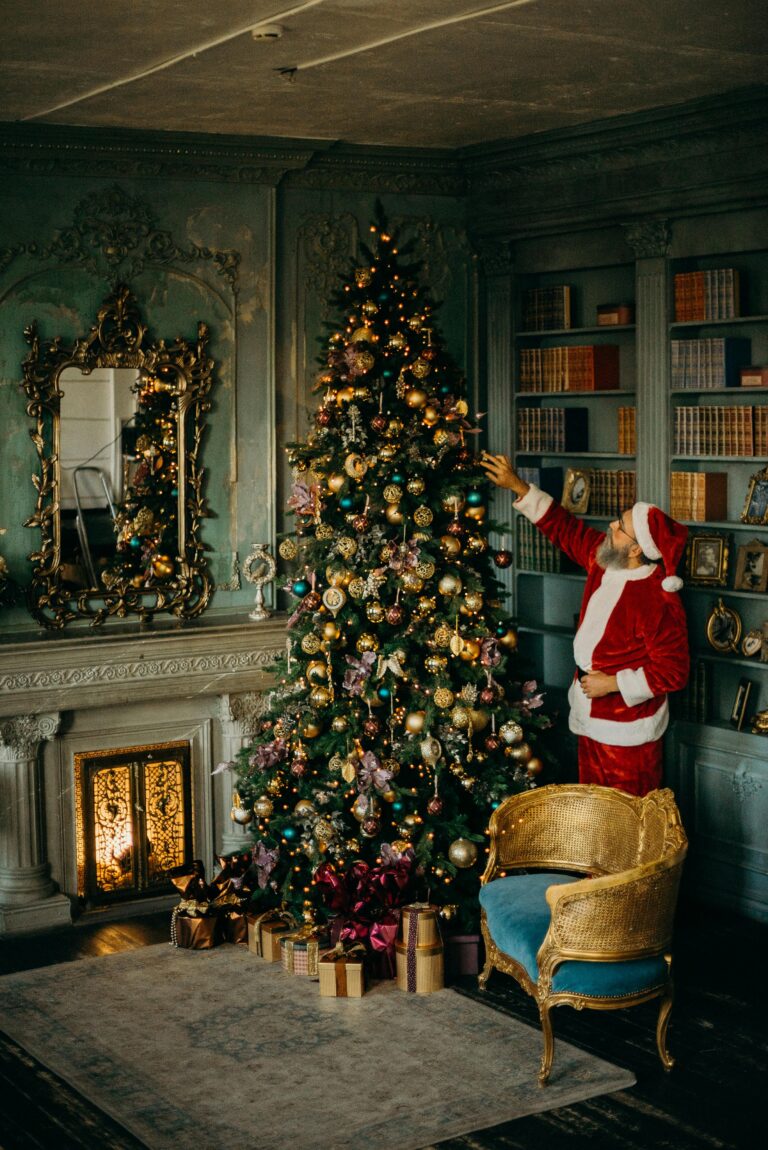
[602, 941]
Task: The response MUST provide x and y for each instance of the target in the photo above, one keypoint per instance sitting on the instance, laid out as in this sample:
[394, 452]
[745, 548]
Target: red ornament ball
[324, 416]
[395, 615]
[502, 558]
[370, 827]
[455, 527]
[487, 695]
[360, 523]
[492, 742]
[463, 457]
[299, 768]
[371, 727]
[435, 806]
[379, 423]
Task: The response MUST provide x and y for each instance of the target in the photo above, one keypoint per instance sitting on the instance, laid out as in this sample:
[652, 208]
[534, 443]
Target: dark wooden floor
[714, 1099]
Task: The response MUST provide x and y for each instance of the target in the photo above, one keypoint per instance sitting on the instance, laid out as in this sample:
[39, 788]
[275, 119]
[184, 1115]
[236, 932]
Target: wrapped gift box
[419, 954]
[301, 950]
[194, 931]
[265, 931]
[342, 972]
[234, 925]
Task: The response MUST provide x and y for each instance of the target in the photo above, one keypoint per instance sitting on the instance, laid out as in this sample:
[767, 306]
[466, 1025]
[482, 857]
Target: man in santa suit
[631, 645]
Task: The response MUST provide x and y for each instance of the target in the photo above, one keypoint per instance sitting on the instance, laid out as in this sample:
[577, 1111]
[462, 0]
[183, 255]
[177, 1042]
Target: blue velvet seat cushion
[518, 917]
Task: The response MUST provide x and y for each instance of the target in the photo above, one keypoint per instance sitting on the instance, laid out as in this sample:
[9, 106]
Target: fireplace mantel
[65, 672]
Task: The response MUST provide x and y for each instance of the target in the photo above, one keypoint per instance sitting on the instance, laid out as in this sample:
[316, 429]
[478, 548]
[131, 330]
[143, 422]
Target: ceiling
[409, 73]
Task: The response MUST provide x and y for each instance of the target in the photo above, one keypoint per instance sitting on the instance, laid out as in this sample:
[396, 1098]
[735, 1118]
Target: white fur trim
[599, 609]
[672, 583]
[643, 531]
[534, 504]
[615, 734]
[633, 686]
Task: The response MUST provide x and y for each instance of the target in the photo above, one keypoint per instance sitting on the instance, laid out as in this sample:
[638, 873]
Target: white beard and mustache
[610, 557]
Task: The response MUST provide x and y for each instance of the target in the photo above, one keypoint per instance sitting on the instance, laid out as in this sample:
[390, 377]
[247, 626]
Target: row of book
[552, 429]
[692, 703]
[707, 295]
[534, 550]
[701, 364]
[698, 496]
[611, 492]
[586, 367]
[711, 430]
[547, 308]
[627, 431]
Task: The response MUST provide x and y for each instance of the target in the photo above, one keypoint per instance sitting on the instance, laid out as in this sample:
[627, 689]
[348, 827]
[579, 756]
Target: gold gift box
[265, 931]
[301, 949]
[420, 928]
[342, 974]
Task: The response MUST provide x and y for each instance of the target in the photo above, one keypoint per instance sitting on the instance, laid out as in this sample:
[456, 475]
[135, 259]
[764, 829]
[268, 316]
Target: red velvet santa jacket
[628, 627]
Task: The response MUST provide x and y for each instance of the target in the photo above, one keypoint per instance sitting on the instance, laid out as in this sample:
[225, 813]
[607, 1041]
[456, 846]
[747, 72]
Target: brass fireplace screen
[134, 820]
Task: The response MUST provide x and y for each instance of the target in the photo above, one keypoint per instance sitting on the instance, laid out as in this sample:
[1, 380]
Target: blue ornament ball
[289, 833]
[397, 805]
[383, 296]
[387, 373]
[346, 503]
[384, 692]
[474, 498]
[300, 587]
[502, 629]
[444, 389]
[398, 477]
[135, 542]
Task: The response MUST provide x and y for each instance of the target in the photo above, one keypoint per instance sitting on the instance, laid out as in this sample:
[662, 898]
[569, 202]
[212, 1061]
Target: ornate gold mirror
[118, 426]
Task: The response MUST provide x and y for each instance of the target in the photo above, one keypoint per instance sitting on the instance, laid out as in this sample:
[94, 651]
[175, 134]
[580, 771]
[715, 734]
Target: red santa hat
[660, 538]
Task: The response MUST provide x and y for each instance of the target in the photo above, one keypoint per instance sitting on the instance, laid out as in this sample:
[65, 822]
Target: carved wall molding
[244, 711]
[496, 257]
[114, 236]
[21, 736]
[648, 238]
[326, 244]
[138, 669]
[441, 250]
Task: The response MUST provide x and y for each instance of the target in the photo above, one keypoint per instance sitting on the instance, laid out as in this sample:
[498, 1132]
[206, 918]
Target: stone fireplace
[70, 702]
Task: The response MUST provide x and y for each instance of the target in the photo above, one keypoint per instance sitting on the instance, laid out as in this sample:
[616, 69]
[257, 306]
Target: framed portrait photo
[739, 709]
[706, 560]
[576, 490]
[751, 567]
[752, 643]
[756, 504]
[723, 628]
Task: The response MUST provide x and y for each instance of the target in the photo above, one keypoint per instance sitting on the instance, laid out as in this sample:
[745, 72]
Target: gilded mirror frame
[118, 339]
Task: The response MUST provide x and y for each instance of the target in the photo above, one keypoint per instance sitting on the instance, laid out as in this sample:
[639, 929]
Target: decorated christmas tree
[399, 719]
[146, 518]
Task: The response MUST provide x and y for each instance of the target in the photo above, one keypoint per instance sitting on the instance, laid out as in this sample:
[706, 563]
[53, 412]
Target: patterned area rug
[217, 1049]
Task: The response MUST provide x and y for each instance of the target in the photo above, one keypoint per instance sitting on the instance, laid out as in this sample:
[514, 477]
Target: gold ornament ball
[362, 277]
[430, 415]
[442, 437]
[426, 605]
[335, 483]
[356, 587]
[367, 642]
[476, 513]
[304, 808]
[393, 514]
[320, 696]
[480, 719]
[476, 545]
[425, 569]
[241, 815]
[510, 732]
[162, 566]
[346, 546]
[460, 717]
[336, 575]
[397, 340]
[414, 722]
[394, 428]
[468, 782]
[443, 635]
[435, 664]
[310, 644]
[311, 729]
[374, 611]
[387, 451]
[275, 785]
[462, 853]
[444, 698]
[450, 546]
[509, 639]
[389, 796]
[415, 398]
[449, 584]
[339, 724]
[453, 504]
[392, 766]
[470, 651]
[360, 808]
[288, 550]
[534, 766]
[324, 531]
[400, 845]
[316, 670]
[331, 631]
[421, 368]
[521, 753]
[362, 335]
[393, 493]
[473, 600]
[411, 582]
[415, 486]
[263, 807]
[423, 516]
[323, 831]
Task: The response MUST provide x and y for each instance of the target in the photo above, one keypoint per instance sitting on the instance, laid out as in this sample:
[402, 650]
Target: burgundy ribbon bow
[359, 672]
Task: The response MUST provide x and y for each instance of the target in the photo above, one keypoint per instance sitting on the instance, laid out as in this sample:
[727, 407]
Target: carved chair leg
[484, 975]
[549, 1044]
[662, 1023]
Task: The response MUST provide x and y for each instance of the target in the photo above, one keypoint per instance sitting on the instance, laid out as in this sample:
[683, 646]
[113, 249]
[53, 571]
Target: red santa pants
[636, 770]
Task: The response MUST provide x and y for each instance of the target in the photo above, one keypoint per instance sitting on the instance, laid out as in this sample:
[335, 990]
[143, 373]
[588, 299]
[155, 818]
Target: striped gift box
[300, 951]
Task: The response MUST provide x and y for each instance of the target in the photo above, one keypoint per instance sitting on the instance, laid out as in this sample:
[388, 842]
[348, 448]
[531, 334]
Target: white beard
[612, 558]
